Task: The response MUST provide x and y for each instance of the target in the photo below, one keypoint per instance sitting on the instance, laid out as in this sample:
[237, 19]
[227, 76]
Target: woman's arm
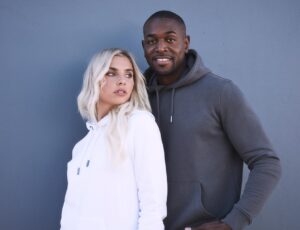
[150, 172]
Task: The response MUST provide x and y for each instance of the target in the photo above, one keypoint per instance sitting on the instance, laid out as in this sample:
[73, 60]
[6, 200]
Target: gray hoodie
[208, 131]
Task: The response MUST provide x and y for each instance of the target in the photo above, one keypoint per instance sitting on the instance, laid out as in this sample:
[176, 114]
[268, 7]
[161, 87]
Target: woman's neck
[102, 110]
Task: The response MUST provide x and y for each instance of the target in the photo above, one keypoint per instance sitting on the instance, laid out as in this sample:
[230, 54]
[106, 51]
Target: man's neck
[167, 79]
[171, 78]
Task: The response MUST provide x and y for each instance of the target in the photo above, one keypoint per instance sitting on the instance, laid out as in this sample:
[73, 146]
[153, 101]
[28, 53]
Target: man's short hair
[166, 14]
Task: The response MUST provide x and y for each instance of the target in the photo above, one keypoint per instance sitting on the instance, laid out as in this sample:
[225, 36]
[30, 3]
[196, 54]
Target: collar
[96, 125]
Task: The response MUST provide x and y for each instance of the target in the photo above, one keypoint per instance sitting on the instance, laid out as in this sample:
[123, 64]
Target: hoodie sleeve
[245, 132]
[150, 172]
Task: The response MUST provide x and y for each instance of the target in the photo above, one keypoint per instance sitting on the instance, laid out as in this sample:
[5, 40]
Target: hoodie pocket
[185, 206]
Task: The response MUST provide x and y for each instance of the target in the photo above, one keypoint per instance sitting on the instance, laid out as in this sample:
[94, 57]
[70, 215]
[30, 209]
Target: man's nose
[161, 46]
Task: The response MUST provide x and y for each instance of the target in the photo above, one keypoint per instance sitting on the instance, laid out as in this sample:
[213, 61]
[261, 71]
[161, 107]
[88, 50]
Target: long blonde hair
[89, 96]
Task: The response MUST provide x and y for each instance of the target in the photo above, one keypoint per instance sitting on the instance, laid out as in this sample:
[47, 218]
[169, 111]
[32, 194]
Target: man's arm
[246, 134]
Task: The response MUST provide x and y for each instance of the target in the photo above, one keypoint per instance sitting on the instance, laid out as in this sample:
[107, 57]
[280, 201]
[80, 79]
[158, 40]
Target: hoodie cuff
[236, 219]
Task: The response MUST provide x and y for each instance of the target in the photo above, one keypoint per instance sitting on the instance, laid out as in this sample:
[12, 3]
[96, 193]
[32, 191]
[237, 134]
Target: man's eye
[150, 42]
[170, 40]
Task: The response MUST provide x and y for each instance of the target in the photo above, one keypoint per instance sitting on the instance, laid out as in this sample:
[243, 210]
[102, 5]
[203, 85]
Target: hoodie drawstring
[172, 105]
[157, 106]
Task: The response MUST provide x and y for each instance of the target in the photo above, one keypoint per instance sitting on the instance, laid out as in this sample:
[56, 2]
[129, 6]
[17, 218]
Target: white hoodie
[130, 195]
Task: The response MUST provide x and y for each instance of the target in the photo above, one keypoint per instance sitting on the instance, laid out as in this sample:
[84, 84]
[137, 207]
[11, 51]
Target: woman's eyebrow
[129, 70]
[116, 69]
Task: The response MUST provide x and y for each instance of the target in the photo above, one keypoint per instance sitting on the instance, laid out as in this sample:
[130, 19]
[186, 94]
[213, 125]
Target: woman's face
[117, 85]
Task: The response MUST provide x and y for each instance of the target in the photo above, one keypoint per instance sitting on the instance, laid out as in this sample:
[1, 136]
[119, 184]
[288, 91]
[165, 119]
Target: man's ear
[143, 44]
[187, 43]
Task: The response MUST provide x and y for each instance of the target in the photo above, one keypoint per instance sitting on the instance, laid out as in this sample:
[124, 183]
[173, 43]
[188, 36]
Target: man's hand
[215, 225]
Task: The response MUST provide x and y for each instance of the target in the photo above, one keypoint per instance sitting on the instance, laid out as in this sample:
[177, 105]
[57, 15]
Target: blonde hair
[89, 96]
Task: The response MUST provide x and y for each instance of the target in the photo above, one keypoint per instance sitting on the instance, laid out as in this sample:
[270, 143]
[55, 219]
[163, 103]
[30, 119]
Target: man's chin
[162, 71]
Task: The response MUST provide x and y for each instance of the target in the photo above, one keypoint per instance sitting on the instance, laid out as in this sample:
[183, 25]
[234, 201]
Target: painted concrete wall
[46, 45]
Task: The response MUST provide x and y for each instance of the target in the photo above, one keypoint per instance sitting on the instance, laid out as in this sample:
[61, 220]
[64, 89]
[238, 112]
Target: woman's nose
[121, 80]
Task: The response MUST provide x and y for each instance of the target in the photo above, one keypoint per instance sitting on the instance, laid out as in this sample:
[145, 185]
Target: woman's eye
[110, 74]
[129, 75]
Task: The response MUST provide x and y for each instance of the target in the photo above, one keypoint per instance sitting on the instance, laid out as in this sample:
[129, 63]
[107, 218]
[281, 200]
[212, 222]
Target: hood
[195, 70]
[91, 126]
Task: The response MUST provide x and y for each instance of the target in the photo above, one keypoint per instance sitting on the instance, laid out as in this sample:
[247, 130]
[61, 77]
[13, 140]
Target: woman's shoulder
[141, 114]
[79, 146]
[141, 117]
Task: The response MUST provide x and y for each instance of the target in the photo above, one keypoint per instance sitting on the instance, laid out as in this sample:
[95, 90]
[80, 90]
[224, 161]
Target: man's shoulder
[214, 78]
[213, 81]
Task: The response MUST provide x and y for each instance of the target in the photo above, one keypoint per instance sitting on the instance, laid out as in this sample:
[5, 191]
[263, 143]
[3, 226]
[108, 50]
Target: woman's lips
[120, 92]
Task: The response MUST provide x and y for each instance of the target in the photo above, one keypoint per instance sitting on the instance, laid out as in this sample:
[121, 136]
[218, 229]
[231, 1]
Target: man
[208, 131]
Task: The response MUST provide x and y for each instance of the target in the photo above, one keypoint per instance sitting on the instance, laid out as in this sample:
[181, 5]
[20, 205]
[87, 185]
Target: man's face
[165, 44]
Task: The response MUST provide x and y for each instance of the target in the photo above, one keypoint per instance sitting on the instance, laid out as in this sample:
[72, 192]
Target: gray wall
[46, 45]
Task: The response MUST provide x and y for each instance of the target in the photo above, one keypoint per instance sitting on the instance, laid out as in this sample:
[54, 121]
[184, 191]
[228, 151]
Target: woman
[117, 175]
